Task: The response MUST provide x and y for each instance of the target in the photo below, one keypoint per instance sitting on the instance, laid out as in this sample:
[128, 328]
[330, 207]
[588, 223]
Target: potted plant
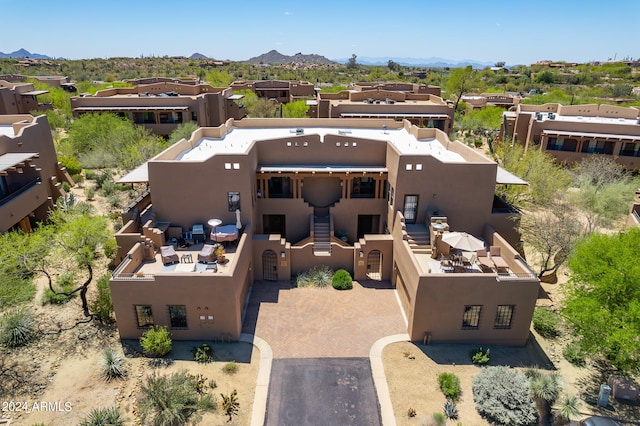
[220, 253]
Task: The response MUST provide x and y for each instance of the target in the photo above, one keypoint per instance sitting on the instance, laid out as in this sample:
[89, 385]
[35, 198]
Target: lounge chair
[207, 254]
[169, 255]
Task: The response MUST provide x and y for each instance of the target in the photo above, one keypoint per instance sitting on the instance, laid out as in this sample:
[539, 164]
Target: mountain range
[22, 53]
[275, 57]
[433, 62]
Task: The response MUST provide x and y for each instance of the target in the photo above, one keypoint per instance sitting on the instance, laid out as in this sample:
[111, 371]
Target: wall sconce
[361, 253]
[283, 254]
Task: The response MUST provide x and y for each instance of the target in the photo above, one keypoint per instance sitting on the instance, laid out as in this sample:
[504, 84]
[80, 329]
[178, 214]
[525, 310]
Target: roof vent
[299, 131]
[538, 116]
[551, 116]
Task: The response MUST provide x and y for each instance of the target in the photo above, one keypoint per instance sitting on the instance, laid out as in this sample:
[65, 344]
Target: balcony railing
[22, 190]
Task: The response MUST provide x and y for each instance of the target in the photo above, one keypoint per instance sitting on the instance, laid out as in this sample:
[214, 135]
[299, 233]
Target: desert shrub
[230, 404]
[574, 353]
[411, 412]
[176, 399]
[90, 174]
[318, 276]
[71, 164]
[90, 193]
[103, 417]
[450, 410]
[65, 283]
[17, 328]
[156, 341]
[66, 187]
[112, 364]
[342, 280]
[103, 176]
[108, 188]
[114, 200]
[450, 386]
[230, 367]
[203, 353]
[479, 356]
[102, 305]
[545, 322]
[502, 396]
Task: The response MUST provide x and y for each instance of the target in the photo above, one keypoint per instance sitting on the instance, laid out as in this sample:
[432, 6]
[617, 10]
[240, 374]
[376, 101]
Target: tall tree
[352, 63]
[602, 298]
[460, 81]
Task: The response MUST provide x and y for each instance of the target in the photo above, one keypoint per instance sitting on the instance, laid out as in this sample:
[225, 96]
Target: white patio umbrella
[462, 241]
[238, 223]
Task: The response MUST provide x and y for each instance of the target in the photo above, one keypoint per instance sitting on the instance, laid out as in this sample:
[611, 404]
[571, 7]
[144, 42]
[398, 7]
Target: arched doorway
[269, 265]
[374, 265]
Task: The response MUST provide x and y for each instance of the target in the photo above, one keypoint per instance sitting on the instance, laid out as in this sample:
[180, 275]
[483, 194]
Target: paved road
[322, 392]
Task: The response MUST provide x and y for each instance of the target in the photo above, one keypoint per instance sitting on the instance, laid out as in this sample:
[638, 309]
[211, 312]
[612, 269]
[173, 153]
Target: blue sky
[515, 31]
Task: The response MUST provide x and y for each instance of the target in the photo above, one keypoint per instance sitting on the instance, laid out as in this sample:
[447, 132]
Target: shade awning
[131, 108]
[11, 160]
[586, 135]
[321, 169]
[392, 114]
[34, 93]
[505, 177]
[138, 175]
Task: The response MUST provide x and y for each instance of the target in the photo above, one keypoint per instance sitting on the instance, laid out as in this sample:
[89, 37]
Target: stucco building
[374, 197]
[282, 91]
[30, 174]
[571, 133]
[162, 106]
[21, 98]
[483, 100]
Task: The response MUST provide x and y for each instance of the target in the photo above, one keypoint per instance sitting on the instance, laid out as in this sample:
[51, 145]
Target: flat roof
[238, 141]
[585, 119]
[321, 169]
[7, 130]
[391, 114]
[138, 175]
[34, 93]
[591, 135]
[132, 108]
[505, 177]
[11, 159]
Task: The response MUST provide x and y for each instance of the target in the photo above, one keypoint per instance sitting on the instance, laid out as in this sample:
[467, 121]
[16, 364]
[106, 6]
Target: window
[630, 149]
[410, 208]
[504, 315]
[144, 117]
[194, 116]
[597, 147]
[471, 317]
[280, 187]
[178, 316]
[170, 117]
[234, 201]
[562, 144]
[363, 187]
[144, 315]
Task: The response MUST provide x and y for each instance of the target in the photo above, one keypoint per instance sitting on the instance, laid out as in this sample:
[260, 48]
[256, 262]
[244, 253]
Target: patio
[188, 262]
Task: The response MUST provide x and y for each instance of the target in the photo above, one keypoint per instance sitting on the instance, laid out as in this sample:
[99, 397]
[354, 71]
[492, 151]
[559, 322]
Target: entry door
[410, 208]
[374, 265]
[269, 265]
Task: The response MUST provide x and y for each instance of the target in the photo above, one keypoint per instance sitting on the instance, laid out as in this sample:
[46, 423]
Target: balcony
[20, 203]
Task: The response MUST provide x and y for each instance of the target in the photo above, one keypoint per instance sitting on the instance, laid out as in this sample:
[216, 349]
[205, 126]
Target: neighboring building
[421, 109]
[21, 98]
[634, 214]
[282, 91]
[424, 89]
[161, 107]
[573, 132]
[62, 82]
[30, 174]
[502, 100]
[365, 195]
[152, 80]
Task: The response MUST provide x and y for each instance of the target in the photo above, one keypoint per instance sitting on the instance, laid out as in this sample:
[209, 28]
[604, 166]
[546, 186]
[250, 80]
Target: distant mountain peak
[198, 56]
[275, 57]
[23, 53]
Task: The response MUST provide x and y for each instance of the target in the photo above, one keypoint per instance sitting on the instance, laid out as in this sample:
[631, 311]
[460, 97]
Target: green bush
[71, 164]
[102, 305]
[66, 187]
[230, 367]
[342, 280]
[17, 328]
[574, 353]
[203, 353]
[90, 193]
[545, 322]
[450, 386]
[112, 365]
[90, 174]
[103, 417]
[65, 283]
[156, 342]
[479, 356]
[108, 188]
[502, 395]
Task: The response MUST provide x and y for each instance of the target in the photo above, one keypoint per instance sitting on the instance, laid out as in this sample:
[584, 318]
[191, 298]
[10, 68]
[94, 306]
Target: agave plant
[112, 364]
[103, 417]
[450, 410]
[17, 328]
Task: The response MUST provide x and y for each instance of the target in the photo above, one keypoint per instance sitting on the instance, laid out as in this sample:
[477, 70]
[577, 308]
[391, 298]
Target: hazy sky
[515, 31]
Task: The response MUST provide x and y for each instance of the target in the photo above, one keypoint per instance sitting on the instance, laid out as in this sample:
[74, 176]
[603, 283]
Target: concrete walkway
[296, 324]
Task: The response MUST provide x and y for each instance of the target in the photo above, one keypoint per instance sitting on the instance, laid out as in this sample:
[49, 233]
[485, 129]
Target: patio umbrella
[238, 223]
[463, 241]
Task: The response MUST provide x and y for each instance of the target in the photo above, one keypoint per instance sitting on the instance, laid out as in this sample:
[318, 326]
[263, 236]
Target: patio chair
[169, 255]
[207, 254]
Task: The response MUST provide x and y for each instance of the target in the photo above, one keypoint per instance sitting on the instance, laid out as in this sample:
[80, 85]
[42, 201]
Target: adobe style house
[30, 174]
[62, 82]
[398, 101]
[571, 133]
[502, 100]
[425, 89]
[282, 91]
[20, 98]
[375, 197]
[162, 106]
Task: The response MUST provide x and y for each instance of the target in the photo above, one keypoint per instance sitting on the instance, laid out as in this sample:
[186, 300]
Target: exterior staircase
[419, 239]
[321, 236]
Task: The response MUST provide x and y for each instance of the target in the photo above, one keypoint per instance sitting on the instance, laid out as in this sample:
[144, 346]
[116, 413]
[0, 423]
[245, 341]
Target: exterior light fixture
[361, 253]
[283, 254]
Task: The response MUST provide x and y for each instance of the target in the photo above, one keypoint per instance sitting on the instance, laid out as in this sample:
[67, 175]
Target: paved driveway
[322, 322]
